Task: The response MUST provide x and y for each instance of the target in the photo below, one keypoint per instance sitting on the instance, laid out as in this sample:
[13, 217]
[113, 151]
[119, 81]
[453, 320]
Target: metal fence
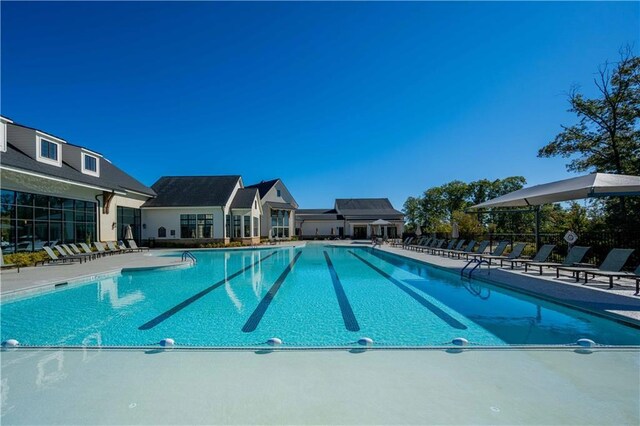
[601, 242]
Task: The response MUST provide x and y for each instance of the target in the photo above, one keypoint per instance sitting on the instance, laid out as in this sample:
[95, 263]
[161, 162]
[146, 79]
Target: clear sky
[338, 99]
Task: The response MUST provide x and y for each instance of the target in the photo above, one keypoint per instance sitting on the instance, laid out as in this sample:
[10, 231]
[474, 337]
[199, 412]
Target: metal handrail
[477, 262]
[187, 255]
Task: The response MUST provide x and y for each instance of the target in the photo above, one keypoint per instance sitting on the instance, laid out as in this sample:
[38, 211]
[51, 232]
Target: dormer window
[48, 151]
[278, 193]
[90, 164]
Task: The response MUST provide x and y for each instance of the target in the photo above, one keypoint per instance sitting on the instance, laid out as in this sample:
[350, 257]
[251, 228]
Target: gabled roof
[192, 191]
[264, 186]
[376, 208]
[111, 177]
[244, 198]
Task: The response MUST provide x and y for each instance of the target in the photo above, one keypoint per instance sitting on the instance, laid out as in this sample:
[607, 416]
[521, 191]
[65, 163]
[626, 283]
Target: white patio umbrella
[380, 223]
[455, 230]
[128, 233]
[589, 186]
[418, 230]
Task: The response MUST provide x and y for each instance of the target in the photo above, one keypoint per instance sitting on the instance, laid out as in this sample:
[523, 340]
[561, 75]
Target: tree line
[605, 138]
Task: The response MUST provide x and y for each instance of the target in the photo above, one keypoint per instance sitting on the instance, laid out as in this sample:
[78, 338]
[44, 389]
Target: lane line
[350, 321]
[165, 315]
[424, 302]
[256, 316]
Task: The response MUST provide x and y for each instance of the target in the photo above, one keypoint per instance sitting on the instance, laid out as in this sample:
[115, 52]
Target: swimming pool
[309, 296]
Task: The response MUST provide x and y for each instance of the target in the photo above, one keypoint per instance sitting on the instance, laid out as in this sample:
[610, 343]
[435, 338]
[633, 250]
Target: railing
[187, 255]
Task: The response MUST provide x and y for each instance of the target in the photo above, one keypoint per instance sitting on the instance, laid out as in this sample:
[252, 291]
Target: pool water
[310, 296]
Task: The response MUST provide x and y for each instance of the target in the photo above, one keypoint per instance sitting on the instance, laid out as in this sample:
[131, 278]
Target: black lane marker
[424, 302]
[350, 321]
[157, 320]
[256, 316]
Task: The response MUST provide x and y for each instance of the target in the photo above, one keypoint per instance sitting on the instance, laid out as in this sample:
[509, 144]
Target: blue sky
[337, 99]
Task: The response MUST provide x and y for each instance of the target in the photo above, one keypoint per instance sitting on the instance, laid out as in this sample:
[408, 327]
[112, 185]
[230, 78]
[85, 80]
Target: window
[247, 226]
[280, 223]
[90, 165]
[128, 217]
[256, 226]
[205, 226]
[237, 231]
[278, 193]
[48, 151]
[188, 225]
[162, 232]
[29, 222]
[227, 226]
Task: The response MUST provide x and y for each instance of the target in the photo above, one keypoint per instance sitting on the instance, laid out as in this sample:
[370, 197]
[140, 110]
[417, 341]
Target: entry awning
[589, 186]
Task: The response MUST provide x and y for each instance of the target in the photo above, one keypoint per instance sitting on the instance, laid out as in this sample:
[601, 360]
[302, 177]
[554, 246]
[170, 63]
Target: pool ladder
[187, 255]
[477, 262]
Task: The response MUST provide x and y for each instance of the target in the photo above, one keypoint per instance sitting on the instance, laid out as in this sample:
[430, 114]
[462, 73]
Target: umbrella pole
[537, 210]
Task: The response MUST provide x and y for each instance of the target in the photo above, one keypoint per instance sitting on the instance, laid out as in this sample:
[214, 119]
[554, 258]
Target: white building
[54, 191]
[278, 209]
[350, 218]
[202, 209]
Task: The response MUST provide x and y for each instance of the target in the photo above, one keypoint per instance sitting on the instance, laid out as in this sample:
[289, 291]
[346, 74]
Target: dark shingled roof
[190, 191]
[282, 206]
[317, 214]
[264, 186]
[244, 198]
[111, 177]
[377, 208]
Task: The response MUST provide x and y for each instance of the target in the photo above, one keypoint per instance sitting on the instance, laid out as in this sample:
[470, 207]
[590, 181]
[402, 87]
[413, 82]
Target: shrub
[25, 259]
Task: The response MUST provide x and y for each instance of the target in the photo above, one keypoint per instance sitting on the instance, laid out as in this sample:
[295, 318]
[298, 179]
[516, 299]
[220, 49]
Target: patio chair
[449, 246]
[408, 242]
[55, 259]
[134, 246]
[614, 262]
[87, 249]
[7, 265]
[458, 247]
[480, 250]
[113, 249]
[76, 252]
[437, 245]
[124, 248]
[575, 255]
[468, 249]
[542, 255]
[420, 242]
[399, 242]
[64, 254]
[622, 274]
[100, 247]
[515, 253]
[500, 248]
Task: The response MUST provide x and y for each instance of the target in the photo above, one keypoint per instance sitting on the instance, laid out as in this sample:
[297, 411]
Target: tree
[607, 136]
[412, 213]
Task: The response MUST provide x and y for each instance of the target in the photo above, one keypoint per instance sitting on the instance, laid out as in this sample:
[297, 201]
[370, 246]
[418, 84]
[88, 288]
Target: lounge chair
[87, 249]
[458, 247]
[101, 249]
[420, 244]
[134, 246]
[76, 252]
[612, 275]
[449, 246]
[427, 244]
[437, 245]
[467, 249]
[408, 242]
[64, 254]
[113, 249]
[124, 248]
[480, 250]
[614, 262]
[414, 242]
[542, 255]
[500, 248]
[515, 253]
[55, 259]
[399, 242]
[575, 255]
[7, 265]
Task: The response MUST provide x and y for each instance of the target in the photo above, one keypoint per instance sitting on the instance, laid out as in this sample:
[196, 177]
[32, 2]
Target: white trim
[181, 207]
[47, 160]
[48, 136]
[130, 191]
[3, 137]
[83, 156]
[5, 119]
[11, 169]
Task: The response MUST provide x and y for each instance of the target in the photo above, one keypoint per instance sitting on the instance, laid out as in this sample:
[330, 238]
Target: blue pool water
[312, 296]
